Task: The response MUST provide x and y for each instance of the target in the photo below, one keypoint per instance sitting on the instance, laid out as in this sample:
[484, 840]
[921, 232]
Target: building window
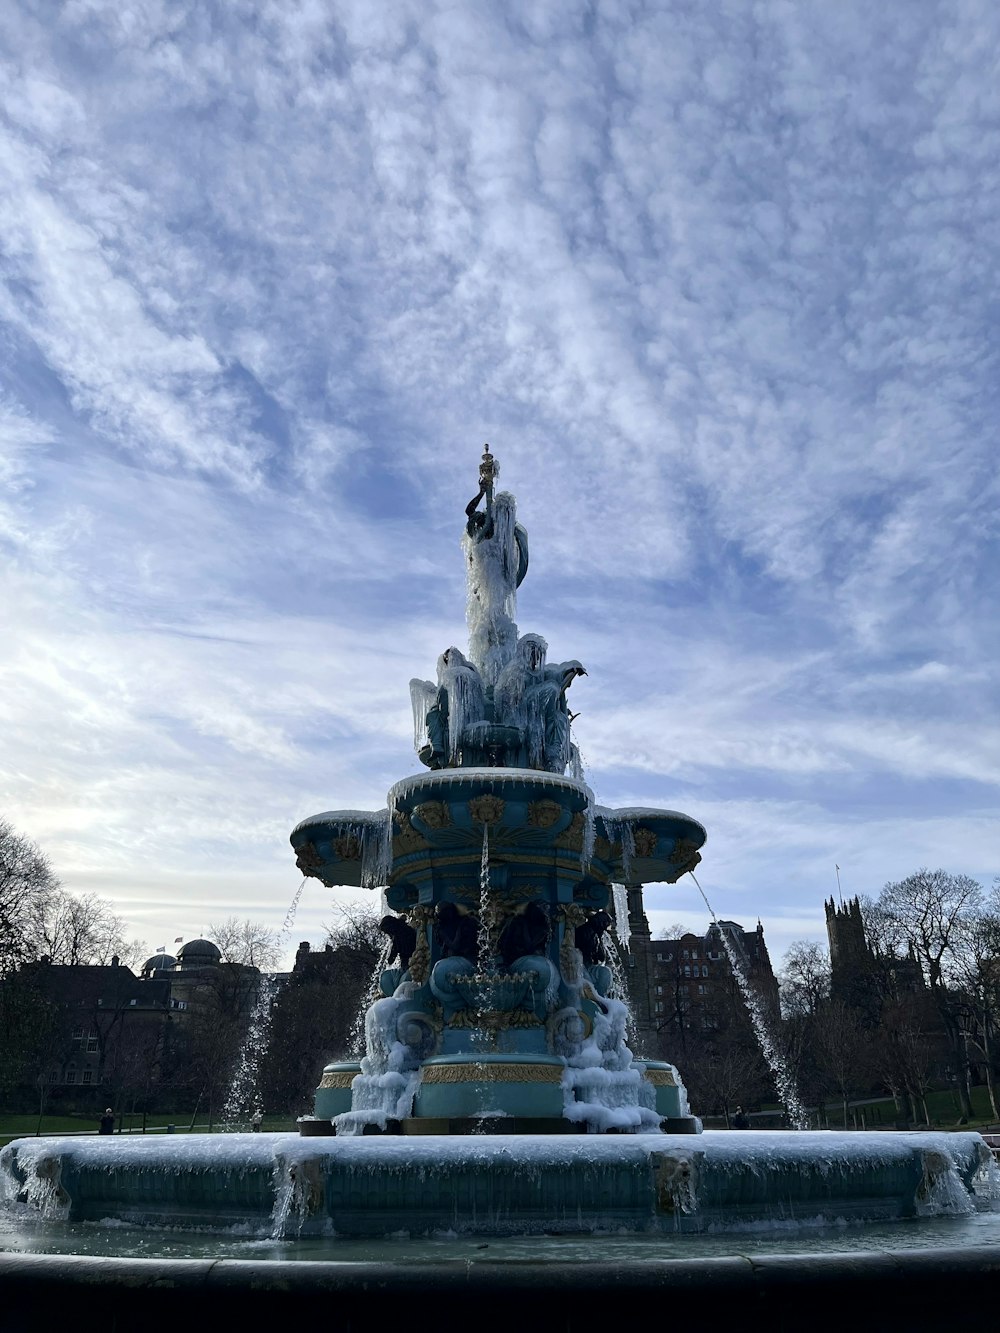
[88, 1076]
[687, 971]
[659, 1007]
[659, 990]
[78, 1036]
[701, 990]
[131, 1001]
[70, 1075]
[704, 970]
[91, 1044]
[694, 953]
[685, 954]
[659, 957]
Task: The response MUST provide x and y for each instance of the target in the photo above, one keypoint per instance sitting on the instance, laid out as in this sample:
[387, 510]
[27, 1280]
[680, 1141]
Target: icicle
[423, 696]
[587, 847]
[356, 1041]
[619, 900]
[375, 839]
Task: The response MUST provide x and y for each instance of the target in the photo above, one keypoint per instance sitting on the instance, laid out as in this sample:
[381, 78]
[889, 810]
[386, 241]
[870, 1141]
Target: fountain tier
[284, 1185]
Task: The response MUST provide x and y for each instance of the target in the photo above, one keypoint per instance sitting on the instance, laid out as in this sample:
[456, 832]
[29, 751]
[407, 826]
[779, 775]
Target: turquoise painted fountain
[497, 1093]
[504, 1013]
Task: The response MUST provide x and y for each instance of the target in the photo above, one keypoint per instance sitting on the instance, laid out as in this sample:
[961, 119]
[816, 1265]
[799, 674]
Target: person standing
[107, 1122]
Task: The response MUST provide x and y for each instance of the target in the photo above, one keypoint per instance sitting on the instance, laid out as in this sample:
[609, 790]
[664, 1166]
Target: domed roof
[198, 953]
[158, 962]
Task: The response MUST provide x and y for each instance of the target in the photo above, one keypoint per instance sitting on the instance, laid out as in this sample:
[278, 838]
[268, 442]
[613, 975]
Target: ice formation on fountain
[499, 866]
[499, 1005]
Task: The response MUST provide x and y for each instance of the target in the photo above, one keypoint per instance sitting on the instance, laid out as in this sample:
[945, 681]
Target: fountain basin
[489, 1085]
[333, 1096]
[496, 1185]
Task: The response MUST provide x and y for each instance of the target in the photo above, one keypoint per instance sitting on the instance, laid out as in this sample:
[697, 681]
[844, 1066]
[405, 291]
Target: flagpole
[840, 894]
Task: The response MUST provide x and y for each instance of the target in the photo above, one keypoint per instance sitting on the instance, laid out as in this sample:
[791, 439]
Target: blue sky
[718, 282]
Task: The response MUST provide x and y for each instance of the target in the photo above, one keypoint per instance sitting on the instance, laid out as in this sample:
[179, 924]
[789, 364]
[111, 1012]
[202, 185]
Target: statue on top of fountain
[502, 706]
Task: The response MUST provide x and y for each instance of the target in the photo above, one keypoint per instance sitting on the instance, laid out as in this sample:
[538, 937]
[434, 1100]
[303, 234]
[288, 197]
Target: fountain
[497, 1094]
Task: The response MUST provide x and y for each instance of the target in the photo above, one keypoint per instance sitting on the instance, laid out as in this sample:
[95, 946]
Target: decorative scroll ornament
[420, 958]
[418, 1031]
[406, 838]
[566, 1029]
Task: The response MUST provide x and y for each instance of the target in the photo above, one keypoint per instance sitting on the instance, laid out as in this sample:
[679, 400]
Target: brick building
[684, 985]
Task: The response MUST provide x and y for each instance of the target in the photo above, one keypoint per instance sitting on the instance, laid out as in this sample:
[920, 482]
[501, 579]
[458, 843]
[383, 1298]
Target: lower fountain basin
[497, 1185]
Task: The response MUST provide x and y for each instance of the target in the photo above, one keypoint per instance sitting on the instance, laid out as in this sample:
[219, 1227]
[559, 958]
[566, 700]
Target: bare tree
[82, 929]
[247, 943]
[27, 884]
[976, 975]
[804, 978]
[841, 1049]
[930, 909]
[356, 927]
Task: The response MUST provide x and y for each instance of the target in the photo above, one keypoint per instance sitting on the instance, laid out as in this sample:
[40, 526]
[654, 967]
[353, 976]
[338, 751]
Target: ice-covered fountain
[497, 1093]
[503, 1014]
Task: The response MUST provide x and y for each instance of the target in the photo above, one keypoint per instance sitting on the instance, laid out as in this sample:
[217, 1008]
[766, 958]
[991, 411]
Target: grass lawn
[24, 1126]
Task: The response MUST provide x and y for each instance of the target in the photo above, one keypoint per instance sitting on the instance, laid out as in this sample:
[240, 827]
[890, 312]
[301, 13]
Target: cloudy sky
[716, 279]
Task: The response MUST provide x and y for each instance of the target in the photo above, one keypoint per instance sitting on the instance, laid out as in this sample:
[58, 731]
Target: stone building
[114, 1027]
[685, 985]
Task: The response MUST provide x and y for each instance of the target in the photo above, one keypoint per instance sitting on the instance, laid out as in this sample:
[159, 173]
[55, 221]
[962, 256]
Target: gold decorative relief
[661, 1078]
[543, 814]
[339, 1078]
[685, 855]
[406, 838]
[486, 809]
[434, 814]
[572, 837]
[491, 1073]
[644, 840]
[308, 859]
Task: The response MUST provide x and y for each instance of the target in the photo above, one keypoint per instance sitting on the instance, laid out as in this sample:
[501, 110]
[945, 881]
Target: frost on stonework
[503, 705]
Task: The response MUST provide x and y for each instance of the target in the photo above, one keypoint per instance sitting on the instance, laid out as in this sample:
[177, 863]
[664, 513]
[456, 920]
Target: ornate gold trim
[491, 1073]
[661, 1078]
[339, 1078]
[544, 857]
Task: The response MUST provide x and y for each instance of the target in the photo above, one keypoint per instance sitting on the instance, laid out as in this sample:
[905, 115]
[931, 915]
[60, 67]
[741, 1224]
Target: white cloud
[719, 288]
